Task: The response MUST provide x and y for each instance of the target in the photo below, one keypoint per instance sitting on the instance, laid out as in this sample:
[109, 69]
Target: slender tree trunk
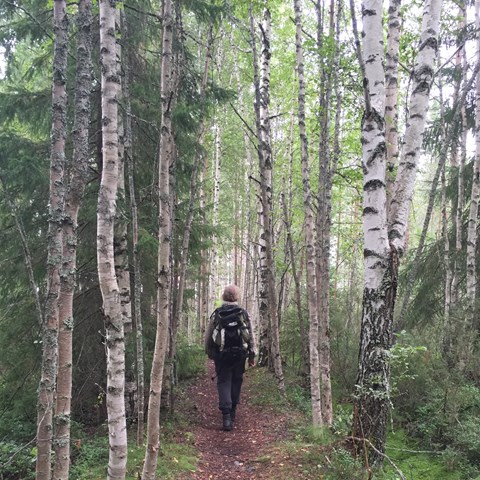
[73, 200]
[460, 156]
[204, 266]
[449, 141]
[391, 93]
[324, 223]
[309, 226]
[446, 341]
[216, 204]
[164, 249]
[120, 241]
[46, 391]
[266, 186]
[137, 276]
[263, 311]
[471, 322]
[115, 341]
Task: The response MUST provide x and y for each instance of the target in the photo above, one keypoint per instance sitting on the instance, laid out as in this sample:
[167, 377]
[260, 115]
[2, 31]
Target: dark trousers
[229, 384]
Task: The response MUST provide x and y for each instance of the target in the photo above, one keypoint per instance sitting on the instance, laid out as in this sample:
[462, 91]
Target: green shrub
[16, 462]
[191, 361]
[342, 466]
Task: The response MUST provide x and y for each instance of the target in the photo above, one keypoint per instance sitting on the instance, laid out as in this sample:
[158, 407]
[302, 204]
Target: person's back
[229, 343]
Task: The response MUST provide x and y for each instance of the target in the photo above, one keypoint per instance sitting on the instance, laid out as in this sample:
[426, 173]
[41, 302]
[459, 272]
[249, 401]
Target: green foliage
[90, 458]
[17, 462]
[401, 356]
[190, 361]
[342, 466]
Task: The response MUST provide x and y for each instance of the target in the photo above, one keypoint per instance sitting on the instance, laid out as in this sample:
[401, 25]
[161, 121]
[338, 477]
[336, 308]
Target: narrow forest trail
[248, 451]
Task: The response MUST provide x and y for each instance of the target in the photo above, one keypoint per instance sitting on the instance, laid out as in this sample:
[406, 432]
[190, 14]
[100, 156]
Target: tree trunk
[309, 225]
[472, 238]
[73, 200]
[381, 257]
[137, 278]
[460, 156]
[46, 390]
[391, 93]
[167, 94]
[327, 166]
[216, 204]
[422, 78]
[449, 141]
[115, 341]
[263, 312]
[266, 167]
[373, 376]
[120, 241]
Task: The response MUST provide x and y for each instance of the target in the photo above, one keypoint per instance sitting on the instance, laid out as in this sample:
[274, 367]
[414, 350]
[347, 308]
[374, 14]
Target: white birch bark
[382, 253]
[462, 67]
[46, 390]
[263, 311]
[216, 203]
[391, 92]
[74, 195]
[121, 234]
[164, 247]
[309, 225]
[373, 376]
[266, 186]
[115, 341]
[137, 279]
[422, 79]
[472, 236]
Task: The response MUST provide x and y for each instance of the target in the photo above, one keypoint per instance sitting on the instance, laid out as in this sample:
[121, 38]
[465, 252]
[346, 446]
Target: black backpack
[231, 333]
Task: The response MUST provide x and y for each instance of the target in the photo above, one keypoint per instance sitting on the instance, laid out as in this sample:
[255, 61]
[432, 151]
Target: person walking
[229, 342]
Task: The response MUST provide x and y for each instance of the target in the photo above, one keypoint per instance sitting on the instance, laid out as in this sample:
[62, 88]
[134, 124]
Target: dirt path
[243, 453]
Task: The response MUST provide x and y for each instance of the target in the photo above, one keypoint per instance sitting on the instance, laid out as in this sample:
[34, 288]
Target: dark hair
[231, 293]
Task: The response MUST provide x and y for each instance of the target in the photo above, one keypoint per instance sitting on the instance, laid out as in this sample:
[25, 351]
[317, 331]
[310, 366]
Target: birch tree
[137, 279]
[472, 236]
[112, 311]
[120, 239]
[76, 186]
[266, 166]
[391, 92]
[49, 367]
[164, 246]
[309, 223]
[385, 238]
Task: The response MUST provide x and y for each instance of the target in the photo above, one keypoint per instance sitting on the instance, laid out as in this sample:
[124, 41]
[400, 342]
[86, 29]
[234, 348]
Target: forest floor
[252, 450]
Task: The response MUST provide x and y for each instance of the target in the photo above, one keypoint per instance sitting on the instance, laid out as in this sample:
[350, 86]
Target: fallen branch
[390, 461]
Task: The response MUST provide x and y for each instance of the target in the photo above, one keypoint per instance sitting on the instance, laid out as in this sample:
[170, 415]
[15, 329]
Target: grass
[417, 466]
[312, 453]
[92, 458]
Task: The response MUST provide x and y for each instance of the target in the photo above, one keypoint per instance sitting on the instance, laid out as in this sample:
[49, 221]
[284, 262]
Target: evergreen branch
[156, 16]
[29, 15]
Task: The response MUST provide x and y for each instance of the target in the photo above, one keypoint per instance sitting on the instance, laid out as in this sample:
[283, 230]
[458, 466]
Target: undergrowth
[313, 453]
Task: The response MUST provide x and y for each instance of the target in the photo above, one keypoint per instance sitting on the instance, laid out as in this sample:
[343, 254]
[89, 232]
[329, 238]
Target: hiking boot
[233, 413]
[227, 422]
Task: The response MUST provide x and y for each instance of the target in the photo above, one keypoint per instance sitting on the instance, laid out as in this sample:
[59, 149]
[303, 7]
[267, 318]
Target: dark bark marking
[369, 211]
[372, 185]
